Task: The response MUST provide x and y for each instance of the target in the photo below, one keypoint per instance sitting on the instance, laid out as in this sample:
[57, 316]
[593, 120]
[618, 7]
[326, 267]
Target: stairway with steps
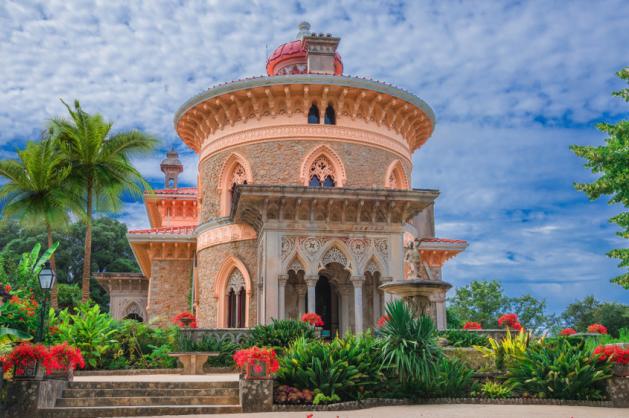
[131, 399]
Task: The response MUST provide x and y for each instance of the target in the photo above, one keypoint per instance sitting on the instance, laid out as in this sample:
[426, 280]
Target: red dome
[295, 53]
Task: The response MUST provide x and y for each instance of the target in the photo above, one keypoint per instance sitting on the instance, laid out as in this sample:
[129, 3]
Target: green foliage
[69, 295]
[496, 390]
[507, 350]
[592, 342]
[320, 398]
[136, 342]
[459, 338]
[611, 161]
[453, 319]
[409, 345]
[349, 367]
[88, 329]
[591, 311]
[453, 379]
[226, 348]
[559, 369]
[279, 334]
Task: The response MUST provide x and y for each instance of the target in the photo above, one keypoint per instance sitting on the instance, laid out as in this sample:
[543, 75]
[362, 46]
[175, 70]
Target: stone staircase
[131, 399]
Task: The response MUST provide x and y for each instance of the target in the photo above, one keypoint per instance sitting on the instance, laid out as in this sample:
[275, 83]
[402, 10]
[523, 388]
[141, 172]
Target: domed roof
[292, 57]
[172, 158]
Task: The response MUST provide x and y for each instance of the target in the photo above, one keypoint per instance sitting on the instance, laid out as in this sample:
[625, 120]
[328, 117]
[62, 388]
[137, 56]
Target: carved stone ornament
[372, 267]
[236, 281]
[413, 259]
[382, 247]
[311, 246]
[334, 255]
[288, 244]
[295, 266]
[322, 168]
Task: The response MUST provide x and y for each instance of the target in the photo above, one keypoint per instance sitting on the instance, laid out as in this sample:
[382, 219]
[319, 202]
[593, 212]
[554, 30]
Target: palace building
[303, 201]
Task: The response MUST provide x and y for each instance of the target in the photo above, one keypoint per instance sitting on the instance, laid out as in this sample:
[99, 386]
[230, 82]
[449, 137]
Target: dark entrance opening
[323, 301]
[135, 317]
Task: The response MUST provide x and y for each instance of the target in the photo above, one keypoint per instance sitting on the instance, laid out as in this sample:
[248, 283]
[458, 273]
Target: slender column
[358, 281]
[281, 283]
[311, 281]
[301, 299]
[387, 297]
[377, 308]
[440, 314]
[345, 292]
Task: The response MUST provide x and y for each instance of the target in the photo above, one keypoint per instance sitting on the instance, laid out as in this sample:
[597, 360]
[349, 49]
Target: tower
[171, 167]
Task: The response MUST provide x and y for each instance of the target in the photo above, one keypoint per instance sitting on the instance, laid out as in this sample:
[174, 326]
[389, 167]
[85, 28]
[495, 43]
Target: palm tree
[36, 191]
[101, 167]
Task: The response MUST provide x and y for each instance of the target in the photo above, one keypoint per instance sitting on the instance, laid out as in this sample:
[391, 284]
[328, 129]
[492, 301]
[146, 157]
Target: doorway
[323, 302]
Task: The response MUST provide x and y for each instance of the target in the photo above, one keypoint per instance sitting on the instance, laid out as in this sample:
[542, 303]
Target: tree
[587, 311]
[36, 191]
[109, 240]
[612, 162]
[480, 301]
[485, 301]
[101, 167]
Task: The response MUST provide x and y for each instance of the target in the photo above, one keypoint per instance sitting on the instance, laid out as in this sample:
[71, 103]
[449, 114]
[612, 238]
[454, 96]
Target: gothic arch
[374, 264]
[134, 309]
[221, 289]
[335, 251]
[225, 179]
[332, 157]
[396, 177]
[296, 263]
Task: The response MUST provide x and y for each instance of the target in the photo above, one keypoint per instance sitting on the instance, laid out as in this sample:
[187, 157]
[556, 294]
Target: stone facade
[169, 289]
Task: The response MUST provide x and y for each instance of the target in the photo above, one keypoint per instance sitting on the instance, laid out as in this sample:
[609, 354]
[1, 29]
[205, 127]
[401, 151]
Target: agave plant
[410, 348]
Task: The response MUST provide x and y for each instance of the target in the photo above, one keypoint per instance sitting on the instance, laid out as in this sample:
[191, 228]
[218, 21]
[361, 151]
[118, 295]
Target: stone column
[388, 297]
[301, 299]
[440, 311]
[311, 281]
[358, 281]
[281, 283]
[344, 322]
[377, 308]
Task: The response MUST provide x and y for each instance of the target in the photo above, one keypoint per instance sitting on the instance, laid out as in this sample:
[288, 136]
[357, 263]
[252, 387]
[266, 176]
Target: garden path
[451, 411]
[214, 377]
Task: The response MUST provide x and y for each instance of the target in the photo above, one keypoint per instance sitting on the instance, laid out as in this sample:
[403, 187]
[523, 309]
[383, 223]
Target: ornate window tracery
[236, 300]
[322, 173]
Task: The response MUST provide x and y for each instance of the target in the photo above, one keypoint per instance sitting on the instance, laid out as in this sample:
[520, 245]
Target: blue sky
[513, 84]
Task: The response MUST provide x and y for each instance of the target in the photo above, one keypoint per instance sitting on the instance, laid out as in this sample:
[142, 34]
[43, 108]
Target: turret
[171, 167]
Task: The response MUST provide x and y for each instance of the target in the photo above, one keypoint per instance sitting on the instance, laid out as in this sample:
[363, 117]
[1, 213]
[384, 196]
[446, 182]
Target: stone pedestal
[26, 397]
[256, 395]
[193, 362]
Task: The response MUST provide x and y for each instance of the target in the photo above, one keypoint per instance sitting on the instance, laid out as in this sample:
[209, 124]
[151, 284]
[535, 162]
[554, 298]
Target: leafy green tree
[484, 302]
[612, 162]
[35, 193]
[591, 311]
[101, 167]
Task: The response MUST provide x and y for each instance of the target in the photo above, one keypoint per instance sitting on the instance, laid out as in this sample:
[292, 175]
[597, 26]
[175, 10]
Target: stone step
[138, 411]
[150, 385]
[103, 393]
[145, 401]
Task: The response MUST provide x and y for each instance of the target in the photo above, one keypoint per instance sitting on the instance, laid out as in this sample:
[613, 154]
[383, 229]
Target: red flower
[67, 357]
[312, 318]
[382, 321]
[266, 355]
[510, 320]
[597, 329]
[7, 288]
[185, 317]
[26, 355]
[568, 331]
[613, 353]
[472, 325]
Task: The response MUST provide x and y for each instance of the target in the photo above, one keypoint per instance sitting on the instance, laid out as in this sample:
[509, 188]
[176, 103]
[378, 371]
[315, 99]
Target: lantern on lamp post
[46, 282]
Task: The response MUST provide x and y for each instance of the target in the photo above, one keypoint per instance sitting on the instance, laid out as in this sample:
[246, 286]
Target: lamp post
[46, 281]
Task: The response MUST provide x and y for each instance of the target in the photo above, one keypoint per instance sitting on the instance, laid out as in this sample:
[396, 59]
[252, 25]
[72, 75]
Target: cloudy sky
[513, 84]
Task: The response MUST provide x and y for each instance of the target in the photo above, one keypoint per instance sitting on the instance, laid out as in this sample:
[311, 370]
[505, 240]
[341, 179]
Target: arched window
[238, 176]
[330, 116]
[322, 173]
[236, 300]
[395, 177]
[313, 114]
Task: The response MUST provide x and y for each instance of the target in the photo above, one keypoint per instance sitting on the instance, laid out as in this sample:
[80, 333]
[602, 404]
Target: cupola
[171, 166]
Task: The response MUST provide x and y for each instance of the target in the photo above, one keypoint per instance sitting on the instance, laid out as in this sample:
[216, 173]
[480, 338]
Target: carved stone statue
[413, 259]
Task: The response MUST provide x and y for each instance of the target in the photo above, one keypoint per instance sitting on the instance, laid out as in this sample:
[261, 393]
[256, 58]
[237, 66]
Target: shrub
[504, 352]
[312, 319]
[136, 343]
[89, 330]
[409, 344]
[289, 394]
[18, 309]
[279, 334]
[597, 329]
[510, 321]
[496, 390]
[472, 325]
[614, 353]
[568, 331]
[66, 357]
[26, 355]
[559, 369]
[348, 367]
[266, 355]
[457, 338]
[226, 348]
[453, 378]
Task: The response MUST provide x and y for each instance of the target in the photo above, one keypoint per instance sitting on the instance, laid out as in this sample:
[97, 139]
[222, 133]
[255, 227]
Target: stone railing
[235, 335]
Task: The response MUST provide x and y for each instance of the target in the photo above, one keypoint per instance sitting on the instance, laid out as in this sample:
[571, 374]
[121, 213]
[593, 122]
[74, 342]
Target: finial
[304, 30]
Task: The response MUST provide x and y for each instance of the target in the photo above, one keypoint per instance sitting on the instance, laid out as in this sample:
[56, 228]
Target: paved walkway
[452, 411]
[215, 377]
